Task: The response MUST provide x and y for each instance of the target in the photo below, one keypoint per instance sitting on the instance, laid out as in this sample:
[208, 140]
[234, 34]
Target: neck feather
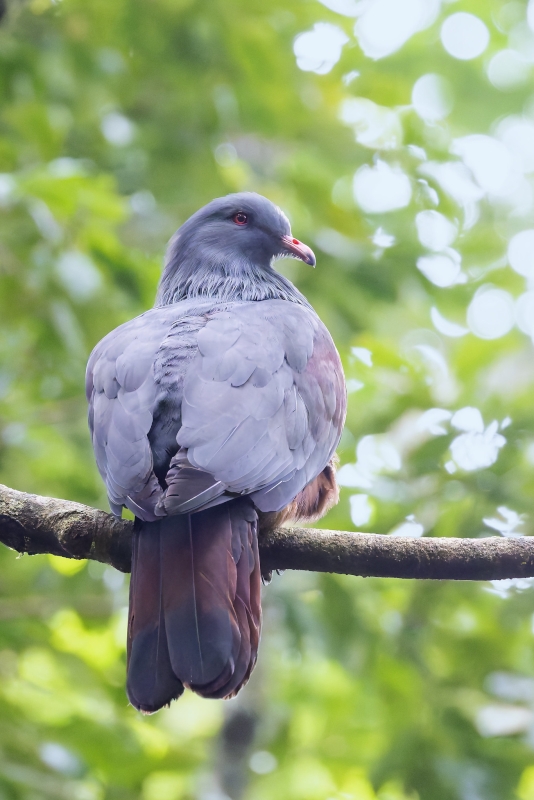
[223, 282]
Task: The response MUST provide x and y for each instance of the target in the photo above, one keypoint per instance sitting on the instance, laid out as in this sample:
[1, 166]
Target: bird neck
[223, 281]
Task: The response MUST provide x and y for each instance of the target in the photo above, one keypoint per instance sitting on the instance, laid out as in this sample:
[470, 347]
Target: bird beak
[299, 250]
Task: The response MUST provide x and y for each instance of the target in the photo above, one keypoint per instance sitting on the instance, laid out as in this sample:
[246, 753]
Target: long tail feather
[151, 681]
[247, 606]
[197, 577]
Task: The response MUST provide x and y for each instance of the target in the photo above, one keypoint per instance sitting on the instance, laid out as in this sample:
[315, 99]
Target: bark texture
[33, 524]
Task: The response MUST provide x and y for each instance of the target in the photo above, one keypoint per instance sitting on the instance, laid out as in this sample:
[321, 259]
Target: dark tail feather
[151, 681]
[198, 579]
[242, 520]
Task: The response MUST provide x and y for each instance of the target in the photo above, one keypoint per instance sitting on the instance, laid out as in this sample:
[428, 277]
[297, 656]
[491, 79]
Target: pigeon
[214, 416]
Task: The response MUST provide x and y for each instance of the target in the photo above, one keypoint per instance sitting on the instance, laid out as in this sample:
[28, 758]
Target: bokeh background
[398, 135]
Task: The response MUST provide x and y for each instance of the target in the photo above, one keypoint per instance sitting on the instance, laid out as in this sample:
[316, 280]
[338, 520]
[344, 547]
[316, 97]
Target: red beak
[299, 250]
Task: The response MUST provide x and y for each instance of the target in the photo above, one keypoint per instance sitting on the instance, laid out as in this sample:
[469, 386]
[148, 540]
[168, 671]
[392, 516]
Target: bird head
[240, 228]
[229, 246]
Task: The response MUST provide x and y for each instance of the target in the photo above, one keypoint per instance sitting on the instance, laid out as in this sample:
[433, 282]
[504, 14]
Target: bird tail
[195, 613]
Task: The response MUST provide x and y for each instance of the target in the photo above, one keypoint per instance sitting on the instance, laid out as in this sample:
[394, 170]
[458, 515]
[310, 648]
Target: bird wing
[263, 403]
[244, 398]
[124, 399]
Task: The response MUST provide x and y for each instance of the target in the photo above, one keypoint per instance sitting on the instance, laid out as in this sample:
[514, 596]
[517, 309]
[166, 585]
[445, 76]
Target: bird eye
[240, 218]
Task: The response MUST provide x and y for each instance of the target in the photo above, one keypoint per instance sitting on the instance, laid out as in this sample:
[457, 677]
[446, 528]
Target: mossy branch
[33, 524]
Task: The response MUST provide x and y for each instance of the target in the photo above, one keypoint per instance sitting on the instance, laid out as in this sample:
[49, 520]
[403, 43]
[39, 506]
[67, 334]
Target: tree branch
[33, 524]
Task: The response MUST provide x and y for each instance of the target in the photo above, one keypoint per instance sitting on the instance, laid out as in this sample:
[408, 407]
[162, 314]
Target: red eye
[240, 218]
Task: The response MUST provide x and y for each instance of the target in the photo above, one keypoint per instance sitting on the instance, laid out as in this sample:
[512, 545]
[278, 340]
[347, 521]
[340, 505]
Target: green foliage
[118, 120]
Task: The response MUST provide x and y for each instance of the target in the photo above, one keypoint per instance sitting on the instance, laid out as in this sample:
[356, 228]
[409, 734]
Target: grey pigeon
[213, 415]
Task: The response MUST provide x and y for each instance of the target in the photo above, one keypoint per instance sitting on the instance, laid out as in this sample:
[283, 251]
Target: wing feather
[263, 400]
[252, 394]
[122, 391]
